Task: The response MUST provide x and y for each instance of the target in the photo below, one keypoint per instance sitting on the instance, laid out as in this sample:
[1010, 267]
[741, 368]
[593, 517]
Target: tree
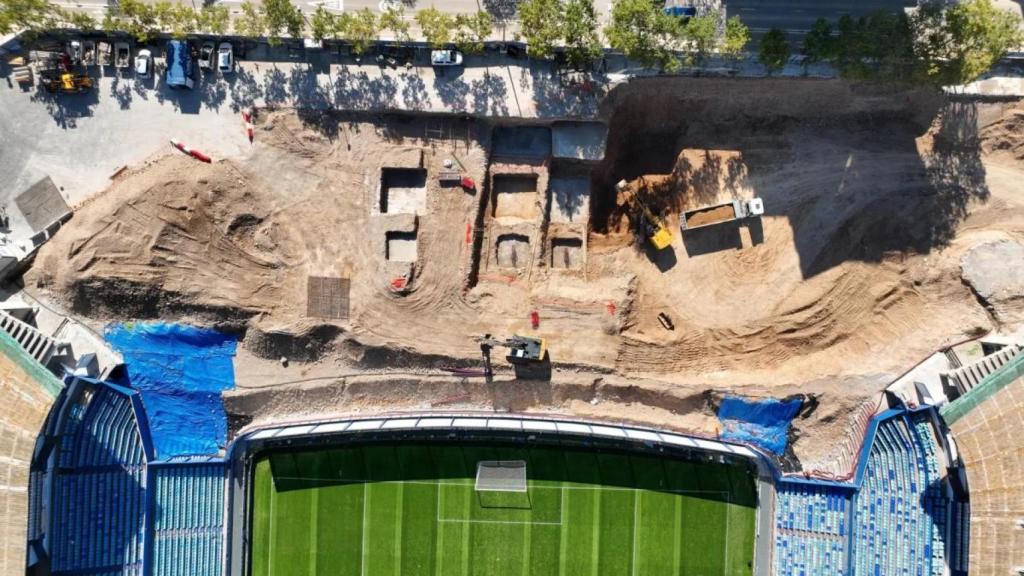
[251, 22]
[79, 20]
[541, 24]
[214, 19]
[579, 29]
[878, 47]
[181, 20]
[393, 19]
[643, 31]
[359, 28]
[819, 44]
[436, 26]
[774, 50]
[472, 31]
[736, 37]
[30, 15]
[324, 24]
[702, 34]
[960, 42]
[136, 18]
[281, 16]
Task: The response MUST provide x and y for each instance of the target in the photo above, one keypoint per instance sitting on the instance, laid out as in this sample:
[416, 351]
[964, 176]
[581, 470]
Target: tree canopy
[774, 50]
[579, 29]
[472, 31]
[437, 26]
[541, 24]
[641, 30]
[393, 20]
[281, 17]
[959, 42]
[359, 28]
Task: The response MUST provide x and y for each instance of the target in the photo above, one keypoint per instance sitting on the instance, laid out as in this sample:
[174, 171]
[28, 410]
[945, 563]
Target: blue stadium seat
[189, 519]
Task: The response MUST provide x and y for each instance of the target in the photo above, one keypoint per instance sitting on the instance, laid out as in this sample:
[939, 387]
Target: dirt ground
[850, 277]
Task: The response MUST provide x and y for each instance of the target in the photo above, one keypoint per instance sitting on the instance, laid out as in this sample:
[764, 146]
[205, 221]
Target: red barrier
[193, 153]
[247, 116]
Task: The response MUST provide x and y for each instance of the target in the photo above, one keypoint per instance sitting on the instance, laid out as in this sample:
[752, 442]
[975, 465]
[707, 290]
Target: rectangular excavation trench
[566, 253]
[401, 246]
[515, 196]
[403, 190]
[512, 251]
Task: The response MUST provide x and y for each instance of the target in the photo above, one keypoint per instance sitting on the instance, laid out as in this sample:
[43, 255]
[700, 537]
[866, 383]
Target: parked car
[684, 12]
[206, 56]
[144, 65]
[446, 58]
[225, 58]
[180, 65]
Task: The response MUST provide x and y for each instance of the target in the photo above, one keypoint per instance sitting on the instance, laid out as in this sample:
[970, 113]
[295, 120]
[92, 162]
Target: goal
[501, 476]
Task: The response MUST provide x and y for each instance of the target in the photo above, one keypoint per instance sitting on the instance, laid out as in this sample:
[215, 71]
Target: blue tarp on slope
[763, 422]
[180, 372]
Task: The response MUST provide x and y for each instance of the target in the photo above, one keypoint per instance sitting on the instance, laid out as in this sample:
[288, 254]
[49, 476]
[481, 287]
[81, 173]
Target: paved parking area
[80, 140]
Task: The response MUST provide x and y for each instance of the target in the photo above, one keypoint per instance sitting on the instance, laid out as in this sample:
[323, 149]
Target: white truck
[719, 213]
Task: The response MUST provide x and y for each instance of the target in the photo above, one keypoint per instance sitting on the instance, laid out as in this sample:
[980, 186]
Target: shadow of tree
[501, 10]
[245, 90]
[306, 90]
[213, 92]
[490, 95]
[414, 92]
[66, 109]
[357, 91]
[453, 93]
[558, 96]
[121, 90]
[275, 87]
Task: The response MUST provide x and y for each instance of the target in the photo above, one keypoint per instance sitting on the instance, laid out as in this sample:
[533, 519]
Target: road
[796, 17]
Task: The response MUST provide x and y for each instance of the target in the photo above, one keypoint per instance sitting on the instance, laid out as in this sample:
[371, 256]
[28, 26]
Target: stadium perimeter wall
[28, 390]
[443, 426]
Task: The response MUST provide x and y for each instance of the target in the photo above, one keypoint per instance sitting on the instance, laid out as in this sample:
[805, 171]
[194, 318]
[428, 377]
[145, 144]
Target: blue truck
[180, 65]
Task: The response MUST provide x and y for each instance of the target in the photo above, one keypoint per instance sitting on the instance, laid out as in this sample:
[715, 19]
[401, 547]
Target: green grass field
[413, 509]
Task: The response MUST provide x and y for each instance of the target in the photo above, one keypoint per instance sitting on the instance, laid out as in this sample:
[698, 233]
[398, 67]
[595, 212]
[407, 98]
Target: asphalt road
[796, 17]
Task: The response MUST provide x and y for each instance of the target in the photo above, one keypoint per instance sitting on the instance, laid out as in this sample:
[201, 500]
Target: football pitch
[410, 509]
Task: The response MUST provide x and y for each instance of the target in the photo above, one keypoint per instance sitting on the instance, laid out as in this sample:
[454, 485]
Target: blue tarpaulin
[180, 372]
[762, 422]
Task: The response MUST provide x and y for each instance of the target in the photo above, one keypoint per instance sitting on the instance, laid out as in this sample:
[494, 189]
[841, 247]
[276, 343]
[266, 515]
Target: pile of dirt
[1004, 137]
[175, 239]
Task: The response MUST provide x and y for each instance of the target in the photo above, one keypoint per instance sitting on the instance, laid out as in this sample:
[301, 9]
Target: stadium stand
[188, 527]
[101, 504]
[28, 391]
[895, 518]
[986, 424]
[898, 524]
[811, 529]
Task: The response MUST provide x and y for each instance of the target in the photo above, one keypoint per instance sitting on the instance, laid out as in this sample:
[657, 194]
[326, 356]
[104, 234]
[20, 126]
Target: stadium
[467, 493]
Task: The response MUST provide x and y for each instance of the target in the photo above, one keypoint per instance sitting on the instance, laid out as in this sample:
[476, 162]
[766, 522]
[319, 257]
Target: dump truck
[653, 227]
[720, 213]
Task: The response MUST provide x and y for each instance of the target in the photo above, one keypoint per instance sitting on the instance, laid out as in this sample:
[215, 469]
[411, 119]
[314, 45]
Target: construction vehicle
[522, 350]
[719, 213]
[653, 227]
[67, 83]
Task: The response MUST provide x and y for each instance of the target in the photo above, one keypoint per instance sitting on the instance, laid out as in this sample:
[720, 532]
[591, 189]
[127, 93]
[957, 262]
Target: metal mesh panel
[501, 476]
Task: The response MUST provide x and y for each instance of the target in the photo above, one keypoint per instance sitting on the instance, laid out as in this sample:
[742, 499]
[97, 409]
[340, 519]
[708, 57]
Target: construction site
[854, 252]
[350, 243]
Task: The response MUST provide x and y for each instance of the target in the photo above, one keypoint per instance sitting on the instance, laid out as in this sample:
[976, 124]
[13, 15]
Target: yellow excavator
[654, 227]
[68, 83]
[521, 350]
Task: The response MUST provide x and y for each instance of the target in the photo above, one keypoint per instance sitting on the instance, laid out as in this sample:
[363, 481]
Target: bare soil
[851, 276]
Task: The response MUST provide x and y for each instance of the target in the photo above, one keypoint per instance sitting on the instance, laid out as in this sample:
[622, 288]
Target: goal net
[501, 476]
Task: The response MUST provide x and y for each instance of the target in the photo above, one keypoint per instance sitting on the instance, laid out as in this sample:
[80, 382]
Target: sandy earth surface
[852, 275]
